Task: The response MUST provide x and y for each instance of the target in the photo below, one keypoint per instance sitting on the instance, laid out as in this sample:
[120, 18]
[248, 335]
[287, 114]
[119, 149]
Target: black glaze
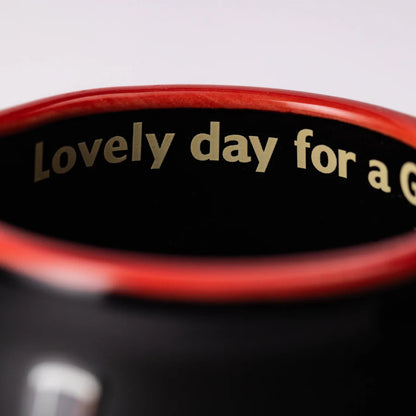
[345, 356]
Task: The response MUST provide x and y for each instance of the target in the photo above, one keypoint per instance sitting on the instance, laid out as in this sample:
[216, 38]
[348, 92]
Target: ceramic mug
[206, 250]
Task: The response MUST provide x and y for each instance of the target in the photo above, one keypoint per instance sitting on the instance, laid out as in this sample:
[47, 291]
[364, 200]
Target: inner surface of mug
[211, 182]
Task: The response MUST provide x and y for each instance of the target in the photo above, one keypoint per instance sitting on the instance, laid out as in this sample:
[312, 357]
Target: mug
[199, 250]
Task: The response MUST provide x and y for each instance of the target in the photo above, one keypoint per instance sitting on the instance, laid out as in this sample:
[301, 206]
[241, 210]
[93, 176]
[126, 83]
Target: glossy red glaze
[86, 268]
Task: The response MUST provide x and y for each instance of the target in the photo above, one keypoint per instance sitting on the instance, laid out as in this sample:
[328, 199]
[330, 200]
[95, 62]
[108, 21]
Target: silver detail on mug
[61, 389]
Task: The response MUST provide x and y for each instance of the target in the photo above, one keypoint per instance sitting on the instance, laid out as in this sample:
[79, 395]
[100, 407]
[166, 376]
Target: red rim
[86, 268]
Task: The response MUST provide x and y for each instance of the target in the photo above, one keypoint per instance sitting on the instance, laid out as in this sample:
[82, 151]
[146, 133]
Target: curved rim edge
[313, 275]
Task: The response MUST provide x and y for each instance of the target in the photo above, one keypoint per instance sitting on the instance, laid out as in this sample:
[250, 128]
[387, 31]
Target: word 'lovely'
[115, 150]
[203, 147]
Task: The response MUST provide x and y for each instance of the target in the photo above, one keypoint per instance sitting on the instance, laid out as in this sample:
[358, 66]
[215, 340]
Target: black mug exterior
[296, 188]
[349, 355]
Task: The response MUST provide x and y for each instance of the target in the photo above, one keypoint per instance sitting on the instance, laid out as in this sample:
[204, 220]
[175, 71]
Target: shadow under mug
[209, 250]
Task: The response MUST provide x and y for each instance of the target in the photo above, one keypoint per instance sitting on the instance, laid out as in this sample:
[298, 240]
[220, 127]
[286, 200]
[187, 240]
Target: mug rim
[85, 268]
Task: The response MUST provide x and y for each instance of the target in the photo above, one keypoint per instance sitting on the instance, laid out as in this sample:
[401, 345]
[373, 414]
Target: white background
[359, 49]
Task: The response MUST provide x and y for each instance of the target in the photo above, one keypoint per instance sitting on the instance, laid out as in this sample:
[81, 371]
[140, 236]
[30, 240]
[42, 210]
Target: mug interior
[208, 182]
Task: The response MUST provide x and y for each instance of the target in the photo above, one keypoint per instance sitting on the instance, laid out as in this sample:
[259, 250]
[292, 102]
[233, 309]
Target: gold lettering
[408, 188]
[301, 145]
[71, 157]
[343, 158]
[379, 178]
[136, 154]
[236, 152]
[159, 152]
[213, 139]
[89, 156]
[263, 155]
[40, 174]
[317, 159]
[115, 144]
